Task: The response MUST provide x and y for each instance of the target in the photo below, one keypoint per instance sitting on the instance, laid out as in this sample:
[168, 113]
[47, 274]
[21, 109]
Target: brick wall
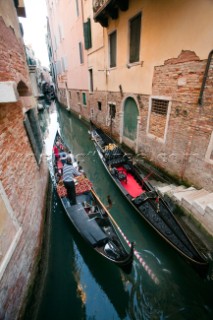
[190, 126]
[23, 180]
[12, 59]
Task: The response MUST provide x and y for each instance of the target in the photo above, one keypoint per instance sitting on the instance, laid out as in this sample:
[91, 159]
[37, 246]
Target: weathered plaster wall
[173, 57]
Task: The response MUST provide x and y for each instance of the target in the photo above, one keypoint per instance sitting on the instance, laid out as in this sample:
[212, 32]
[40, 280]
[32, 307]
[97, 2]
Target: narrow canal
[79, 284]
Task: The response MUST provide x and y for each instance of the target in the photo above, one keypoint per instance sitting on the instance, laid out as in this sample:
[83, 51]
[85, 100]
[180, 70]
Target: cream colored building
[145, 77]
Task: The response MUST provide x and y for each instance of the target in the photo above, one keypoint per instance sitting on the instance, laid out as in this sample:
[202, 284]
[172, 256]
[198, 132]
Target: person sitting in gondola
[121, 175]
[63, 157]
[69, 172]
[56, 153]
[80, 168]
[113, 170]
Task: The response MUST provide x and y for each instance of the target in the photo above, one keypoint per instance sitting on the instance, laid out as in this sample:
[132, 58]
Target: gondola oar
[136, 253]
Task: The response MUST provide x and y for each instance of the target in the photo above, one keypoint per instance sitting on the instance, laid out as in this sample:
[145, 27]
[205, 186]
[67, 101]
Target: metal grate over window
[160, 106]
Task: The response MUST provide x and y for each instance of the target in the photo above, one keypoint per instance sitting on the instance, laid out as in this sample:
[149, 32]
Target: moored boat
[89, 215]
[145, 199]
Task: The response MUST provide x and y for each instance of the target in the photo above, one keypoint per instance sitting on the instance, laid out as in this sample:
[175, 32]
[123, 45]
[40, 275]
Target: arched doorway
[130, 119]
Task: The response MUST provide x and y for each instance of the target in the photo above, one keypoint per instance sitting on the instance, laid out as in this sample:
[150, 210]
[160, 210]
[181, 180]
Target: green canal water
[79, 284]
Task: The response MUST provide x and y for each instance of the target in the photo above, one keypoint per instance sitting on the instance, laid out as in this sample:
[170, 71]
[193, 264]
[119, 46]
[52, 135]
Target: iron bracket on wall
[200, 99]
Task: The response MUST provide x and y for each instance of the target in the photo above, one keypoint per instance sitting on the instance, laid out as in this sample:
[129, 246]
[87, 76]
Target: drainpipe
[200, 99]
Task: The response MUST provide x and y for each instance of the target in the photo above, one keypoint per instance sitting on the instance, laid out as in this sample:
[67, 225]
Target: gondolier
[88, 214]
[69, 172]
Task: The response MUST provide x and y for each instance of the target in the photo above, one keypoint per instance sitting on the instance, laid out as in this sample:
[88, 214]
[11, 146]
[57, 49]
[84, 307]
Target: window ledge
[134, 64]
[153, 137]
[112, 68]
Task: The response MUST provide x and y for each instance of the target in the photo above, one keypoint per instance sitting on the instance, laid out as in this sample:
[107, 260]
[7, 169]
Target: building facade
[23, 169]
[69, 67]
[146, 77]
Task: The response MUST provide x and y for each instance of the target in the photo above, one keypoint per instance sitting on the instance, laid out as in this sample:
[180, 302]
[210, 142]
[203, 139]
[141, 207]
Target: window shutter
[112, 43]
[91, 80]
[34, 134]
[81, 53]
[58, 67]
[87, 35]
[84, 98]
[135, 31]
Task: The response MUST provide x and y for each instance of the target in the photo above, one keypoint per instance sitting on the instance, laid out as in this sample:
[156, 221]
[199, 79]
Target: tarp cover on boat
[87, 227]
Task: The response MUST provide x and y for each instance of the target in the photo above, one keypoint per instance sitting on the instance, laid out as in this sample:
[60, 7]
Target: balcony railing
[103, 9]
[98, 4]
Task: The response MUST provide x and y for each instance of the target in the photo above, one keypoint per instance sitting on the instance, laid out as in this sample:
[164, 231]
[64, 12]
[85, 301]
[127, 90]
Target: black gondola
[145, 199]
[90, 217]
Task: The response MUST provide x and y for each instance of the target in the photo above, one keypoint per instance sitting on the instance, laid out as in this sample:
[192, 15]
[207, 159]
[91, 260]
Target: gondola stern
[127, 264]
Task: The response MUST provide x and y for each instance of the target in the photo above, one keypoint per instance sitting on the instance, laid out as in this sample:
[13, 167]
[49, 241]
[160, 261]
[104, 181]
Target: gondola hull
[91, 218]
[144, 198]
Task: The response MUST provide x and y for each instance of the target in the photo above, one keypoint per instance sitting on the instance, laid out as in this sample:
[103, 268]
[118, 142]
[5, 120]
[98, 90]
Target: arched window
[22, 89]
[130, 119]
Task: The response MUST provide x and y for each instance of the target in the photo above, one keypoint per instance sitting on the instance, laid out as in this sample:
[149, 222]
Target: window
[64, 65]
[87, 35]
[84, 98]
[55, 42]
[99, 105]
[160, 106]
[134, 32]
[158, 117]
[60, 32]
[209, 152]
[58, 67]
[78, 97]
[77, 8]
[91, 79]
[112, 111]
[81, 53]
[34, 133]
[112, 49]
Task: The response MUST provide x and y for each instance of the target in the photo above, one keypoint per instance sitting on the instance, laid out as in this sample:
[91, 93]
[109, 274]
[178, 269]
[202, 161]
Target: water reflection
[100, 284]
[82, 285]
